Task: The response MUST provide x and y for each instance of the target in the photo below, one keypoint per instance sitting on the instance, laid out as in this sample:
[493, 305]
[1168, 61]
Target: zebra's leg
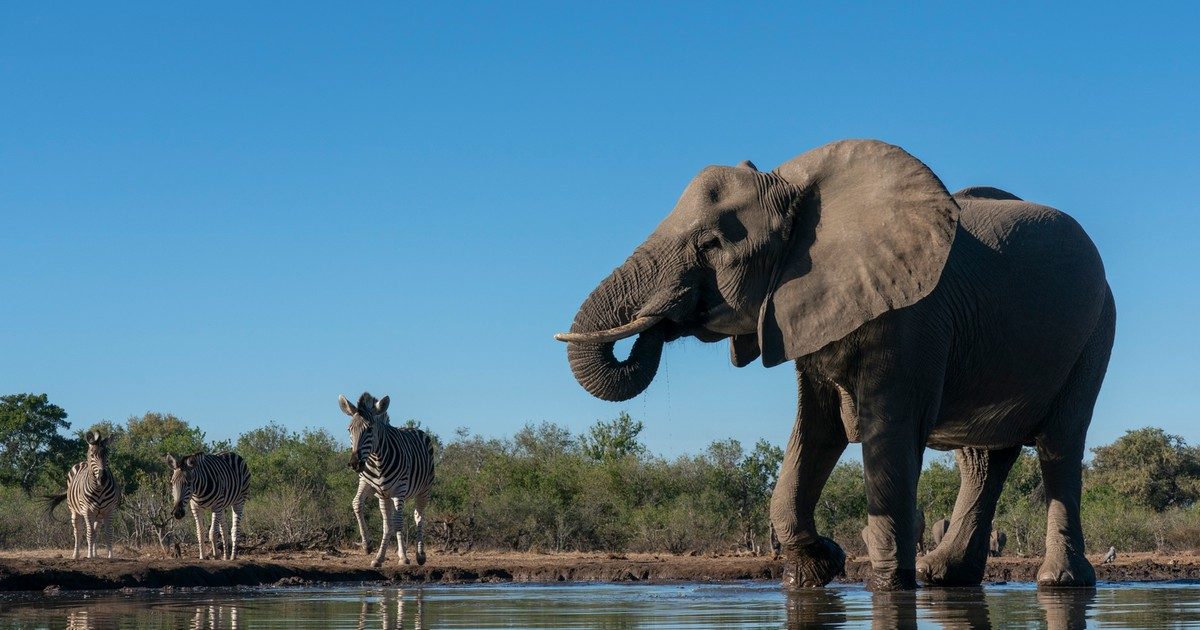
[419, 516]
[220, 515]
[385, 508]
[212, 540]
[108, 532]
[233, 529]
[199, 531]
[75, 522]
[398, 514]
[356, 504]
[88, 529]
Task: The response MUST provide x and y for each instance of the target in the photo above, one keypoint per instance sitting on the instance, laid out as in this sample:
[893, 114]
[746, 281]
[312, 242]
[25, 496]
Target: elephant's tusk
[634, 327]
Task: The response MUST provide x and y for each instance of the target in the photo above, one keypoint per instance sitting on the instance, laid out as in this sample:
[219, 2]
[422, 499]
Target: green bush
[550, 490]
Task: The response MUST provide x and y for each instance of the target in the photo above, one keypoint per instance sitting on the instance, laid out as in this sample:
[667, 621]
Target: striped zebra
[92, 495]
[211, 482]
[396, 464]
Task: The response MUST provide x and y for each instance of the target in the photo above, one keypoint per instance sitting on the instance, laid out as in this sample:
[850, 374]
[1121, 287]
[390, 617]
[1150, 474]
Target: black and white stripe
[396, 464]
[213, 482]
[92, 495]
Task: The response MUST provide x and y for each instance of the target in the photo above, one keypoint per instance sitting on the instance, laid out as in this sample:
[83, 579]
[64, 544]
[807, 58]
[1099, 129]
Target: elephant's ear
[870, 233]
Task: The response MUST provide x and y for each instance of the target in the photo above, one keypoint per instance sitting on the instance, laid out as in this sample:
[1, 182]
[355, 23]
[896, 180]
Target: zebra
[92, 495]
[396, 464]
[211, 482]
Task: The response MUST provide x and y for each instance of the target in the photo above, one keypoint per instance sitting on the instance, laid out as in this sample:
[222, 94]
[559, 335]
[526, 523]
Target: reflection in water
[815, 608]
[1066, 609]
[215, 617]
[78, 620]
[649, 607]
[389, 600]
[955, 607]
[894, 610]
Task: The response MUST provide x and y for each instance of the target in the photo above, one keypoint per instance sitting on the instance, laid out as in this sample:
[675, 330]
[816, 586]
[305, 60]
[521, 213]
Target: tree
[612, 440]
[1150, 467]
[29, 433]
[544, 440]
[745, 482]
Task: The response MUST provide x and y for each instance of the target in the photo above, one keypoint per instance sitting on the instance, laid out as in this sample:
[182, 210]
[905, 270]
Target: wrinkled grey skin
[976, 322]
[996, 544]
[939, 531]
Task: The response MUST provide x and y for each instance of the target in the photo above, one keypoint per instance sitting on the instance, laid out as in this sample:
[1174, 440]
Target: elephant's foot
[421, 558]
[943, 567]
[896, 580]
[1064, 568]
[813, 565]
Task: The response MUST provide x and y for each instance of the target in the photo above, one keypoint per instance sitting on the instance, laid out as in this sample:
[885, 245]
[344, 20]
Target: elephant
[939, 531]
[976, 322]
[996, 545]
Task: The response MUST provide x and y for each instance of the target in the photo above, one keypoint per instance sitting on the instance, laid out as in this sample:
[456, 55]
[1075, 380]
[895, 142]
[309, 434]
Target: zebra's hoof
[376, 563]
[421, 559]
[404, 560]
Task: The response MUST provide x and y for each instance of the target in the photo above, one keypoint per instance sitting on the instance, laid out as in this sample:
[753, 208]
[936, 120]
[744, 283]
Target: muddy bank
[39, 570]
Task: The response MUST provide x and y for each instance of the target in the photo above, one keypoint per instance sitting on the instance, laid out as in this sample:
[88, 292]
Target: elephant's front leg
[892, 463]
[817, 442]
[961, 557]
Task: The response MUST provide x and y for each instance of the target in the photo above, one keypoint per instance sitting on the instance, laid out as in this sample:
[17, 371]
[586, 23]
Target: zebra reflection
[385, 619]
[213, 616]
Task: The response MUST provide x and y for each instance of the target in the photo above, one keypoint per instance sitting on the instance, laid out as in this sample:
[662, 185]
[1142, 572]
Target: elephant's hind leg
[961, 557]
[817, 442]
[1060, 451]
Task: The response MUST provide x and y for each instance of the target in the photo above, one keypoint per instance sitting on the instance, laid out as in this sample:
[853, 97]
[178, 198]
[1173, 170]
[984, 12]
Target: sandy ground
[54, 569]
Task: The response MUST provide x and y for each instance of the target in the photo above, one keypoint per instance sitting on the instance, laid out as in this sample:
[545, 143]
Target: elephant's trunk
[612, 312]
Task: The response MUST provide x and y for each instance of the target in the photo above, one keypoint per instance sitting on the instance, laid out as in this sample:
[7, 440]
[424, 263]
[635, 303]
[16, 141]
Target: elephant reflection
[1066, 609]
[956, 607]
[815, 608]
[950, 608]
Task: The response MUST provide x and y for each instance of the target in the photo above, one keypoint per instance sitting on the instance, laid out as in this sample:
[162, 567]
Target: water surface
[652, 607]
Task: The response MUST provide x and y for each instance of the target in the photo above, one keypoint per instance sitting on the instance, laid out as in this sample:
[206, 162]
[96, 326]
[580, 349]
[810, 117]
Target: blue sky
[235, 214]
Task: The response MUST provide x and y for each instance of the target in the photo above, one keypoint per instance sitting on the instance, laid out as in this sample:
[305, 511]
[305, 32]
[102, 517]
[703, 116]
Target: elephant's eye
[710, 242]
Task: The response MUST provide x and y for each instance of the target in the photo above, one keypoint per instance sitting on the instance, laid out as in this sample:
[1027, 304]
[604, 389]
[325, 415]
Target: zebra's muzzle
[177, 512]
[355, 464]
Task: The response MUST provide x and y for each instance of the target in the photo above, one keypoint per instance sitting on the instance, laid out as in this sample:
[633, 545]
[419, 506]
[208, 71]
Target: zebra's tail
[52, 501]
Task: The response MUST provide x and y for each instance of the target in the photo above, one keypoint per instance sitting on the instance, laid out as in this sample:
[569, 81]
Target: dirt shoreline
[54, 570]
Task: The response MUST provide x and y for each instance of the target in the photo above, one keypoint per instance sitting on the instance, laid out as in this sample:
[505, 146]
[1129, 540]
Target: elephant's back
[1026, 288]
[1022, 229]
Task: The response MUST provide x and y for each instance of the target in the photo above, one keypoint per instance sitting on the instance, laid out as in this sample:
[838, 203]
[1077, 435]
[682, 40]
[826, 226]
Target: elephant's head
[782, 263]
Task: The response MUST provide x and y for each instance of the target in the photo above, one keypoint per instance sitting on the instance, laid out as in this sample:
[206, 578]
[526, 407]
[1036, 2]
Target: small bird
[1110, 556]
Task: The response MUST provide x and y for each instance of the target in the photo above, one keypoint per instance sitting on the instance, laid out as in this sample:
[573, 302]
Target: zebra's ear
[189, 462]
[171, 461]
[381, 405]
[347, 408]
[91, 437]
